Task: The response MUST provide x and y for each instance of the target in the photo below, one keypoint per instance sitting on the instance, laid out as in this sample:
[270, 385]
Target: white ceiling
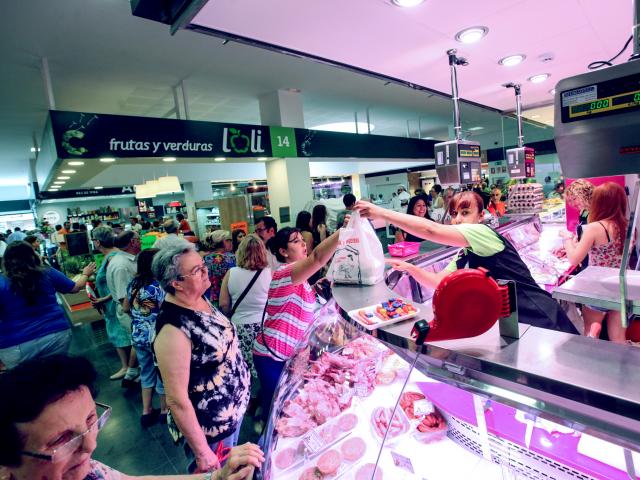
[103, 59]
[410, 43]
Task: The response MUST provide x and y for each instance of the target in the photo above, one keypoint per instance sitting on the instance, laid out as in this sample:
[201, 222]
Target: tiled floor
[123, 444]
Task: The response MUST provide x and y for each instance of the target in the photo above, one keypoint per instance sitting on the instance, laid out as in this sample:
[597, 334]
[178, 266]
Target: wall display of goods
[525, 198]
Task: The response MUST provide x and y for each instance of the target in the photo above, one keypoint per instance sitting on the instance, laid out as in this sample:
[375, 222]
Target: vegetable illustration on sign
[233, 140]
[75, 130]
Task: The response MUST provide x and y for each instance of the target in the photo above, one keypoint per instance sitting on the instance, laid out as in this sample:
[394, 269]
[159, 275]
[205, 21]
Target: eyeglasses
[200, 269]
[260, 229]
[70, 447]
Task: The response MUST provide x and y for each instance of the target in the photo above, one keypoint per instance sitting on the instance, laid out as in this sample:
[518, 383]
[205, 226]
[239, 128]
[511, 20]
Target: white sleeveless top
[252, 305]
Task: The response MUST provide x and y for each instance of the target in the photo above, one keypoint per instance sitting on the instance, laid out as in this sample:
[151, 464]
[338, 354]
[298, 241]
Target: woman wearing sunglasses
[49, 427]
[206, 380]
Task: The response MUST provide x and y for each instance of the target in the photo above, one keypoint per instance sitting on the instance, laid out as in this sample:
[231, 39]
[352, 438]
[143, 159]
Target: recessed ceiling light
[107, 160]
[98, 188]
[474, 129]
[344, 127]
[552, 91]
[54, 189]
[407, 3]
[539, 78]
[472, 34]
[75, 163]
[68, 171]
[232, 188]
[59, 183]
[169, 159]
[219, 159]
[263, 159]
[63, 178]
[512, 60]
[33, 149]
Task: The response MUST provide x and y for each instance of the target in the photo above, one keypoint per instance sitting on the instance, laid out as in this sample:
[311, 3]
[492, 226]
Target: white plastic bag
[359, 258]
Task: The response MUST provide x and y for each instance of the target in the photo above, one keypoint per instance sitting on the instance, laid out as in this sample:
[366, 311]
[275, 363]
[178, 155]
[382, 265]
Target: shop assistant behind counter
[481, 247]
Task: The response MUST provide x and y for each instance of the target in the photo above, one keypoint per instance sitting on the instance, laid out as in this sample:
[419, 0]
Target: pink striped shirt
[290, 311]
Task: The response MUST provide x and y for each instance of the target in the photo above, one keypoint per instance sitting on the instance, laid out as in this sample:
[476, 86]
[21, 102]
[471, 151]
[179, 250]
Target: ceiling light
[169, 159]
[64, 178]
[472, 34]
[33, 149]
[552, 91]
[263, 159]
[144, 191]
[75, 163]
[68, 171]
[539, 78]
[107, 160]
[512, 60]
[219, 159]
[98, 188]
[474, 129]
[59, 183]
[407, 3]
[344, 127]
[168, 185]
[54, 189]
[232, 188]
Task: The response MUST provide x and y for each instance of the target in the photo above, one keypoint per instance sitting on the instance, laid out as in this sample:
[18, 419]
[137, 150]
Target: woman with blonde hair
[243, 294]
[602, 241]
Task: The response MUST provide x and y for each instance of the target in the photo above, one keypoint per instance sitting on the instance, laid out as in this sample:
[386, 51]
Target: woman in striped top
[290, 306]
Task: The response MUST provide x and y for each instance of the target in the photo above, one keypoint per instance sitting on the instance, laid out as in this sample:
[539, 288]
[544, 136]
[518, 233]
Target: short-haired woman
[220, 259]
[481, 247]
[32, 323]
[54, 434]
[290, 306]
[206, 380]
[602, 241]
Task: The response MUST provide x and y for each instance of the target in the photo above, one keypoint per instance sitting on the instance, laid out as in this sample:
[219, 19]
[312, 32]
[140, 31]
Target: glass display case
[374, 405]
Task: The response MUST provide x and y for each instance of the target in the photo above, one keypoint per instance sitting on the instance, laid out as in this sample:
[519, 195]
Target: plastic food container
[403, 249]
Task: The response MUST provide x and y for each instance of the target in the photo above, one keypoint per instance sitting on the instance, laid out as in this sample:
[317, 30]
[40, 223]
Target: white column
[288, 179]
[194, 192]
[359, 186]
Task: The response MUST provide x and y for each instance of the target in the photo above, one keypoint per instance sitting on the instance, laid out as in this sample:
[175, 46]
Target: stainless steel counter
[587, 384]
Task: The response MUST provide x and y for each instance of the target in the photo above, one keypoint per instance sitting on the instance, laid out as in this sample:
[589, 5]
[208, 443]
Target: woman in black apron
[481, 247]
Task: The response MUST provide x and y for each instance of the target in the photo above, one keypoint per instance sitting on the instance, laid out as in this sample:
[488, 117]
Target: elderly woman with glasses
[206, 380]
[50, 422]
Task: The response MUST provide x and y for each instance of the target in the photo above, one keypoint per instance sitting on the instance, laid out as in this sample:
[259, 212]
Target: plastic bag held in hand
[359, 258]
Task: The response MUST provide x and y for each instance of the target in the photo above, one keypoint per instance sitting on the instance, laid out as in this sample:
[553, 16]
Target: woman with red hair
[602, 240]
[481, 246]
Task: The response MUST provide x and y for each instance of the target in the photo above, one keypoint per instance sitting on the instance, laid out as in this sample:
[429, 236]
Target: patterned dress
[219, 380]
[144, 310]
[607, 255]
[100, 471]
[218, 265]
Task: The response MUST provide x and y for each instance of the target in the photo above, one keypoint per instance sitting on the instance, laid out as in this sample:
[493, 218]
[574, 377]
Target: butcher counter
[548, 405]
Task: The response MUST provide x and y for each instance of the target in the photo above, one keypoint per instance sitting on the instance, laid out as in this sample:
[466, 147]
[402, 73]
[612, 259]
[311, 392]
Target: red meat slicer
[467, 303]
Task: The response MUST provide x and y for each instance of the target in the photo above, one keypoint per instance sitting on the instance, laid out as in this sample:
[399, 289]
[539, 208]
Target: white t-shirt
[252, 305]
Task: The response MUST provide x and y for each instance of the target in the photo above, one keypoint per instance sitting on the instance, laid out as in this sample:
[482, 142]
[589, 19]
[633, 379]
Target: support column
[288, 179]
[359, 187]
[194, 192]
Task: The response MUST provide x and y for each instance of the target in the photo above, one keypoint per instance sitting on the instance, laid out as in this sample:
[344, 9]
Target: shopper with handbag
[243, 295]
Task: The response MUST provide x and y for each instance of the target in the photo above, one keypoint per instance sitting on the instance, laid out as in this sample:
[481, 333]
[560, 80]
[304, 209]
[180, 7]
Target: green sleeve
[452, 266]
[483, 241]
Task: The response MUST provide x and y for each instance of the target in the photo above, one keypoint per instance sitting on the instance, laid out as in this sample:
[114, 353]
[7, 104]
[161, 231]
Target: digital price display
[468, 151]
[620, 95]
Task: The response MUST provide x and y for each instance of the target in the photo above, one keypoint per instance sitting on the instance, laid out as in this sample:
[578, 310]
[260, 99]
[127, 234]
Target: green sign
[283, 142]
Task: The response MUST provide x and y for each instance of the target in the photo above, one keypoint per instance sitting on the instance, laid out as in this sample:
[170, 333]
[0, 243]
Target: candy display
[385, 313]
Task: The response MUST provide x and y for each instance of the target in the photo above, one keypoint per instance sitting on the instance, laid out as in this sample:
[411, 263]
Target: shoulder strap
[606, 231]
[264, 340]
[244, 293]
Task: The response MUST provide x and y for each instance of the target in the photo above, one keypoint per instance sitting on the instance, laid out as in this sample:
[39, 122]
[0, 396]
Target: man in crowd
[17, 236]
[266, 229]
[135, 224]
[496, 205]
[120, 271]
[171, 238]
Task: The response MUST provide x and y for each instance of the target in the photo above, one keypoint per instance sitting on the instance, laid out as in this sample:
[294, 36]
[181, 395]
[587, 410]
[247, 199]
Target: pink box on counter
[403, 249]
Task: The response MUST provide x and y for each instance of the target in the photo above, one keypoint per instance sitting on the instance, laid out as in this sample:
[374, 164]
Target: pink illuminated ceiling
[410, 43]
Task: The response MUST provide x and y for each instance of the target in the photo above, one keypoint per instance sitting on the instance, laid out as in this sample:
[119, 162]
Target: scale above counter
[597, 122]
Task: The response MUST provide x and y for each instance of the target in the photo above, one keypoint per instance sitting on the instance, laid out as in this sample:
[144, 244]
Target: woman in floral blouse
[205, 377]
[219, 261]
[145, 297]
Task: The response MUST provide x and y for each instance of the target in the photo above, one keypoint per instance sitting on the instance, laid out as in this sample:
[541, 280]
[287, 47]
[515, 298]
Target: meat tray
[374, 321]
